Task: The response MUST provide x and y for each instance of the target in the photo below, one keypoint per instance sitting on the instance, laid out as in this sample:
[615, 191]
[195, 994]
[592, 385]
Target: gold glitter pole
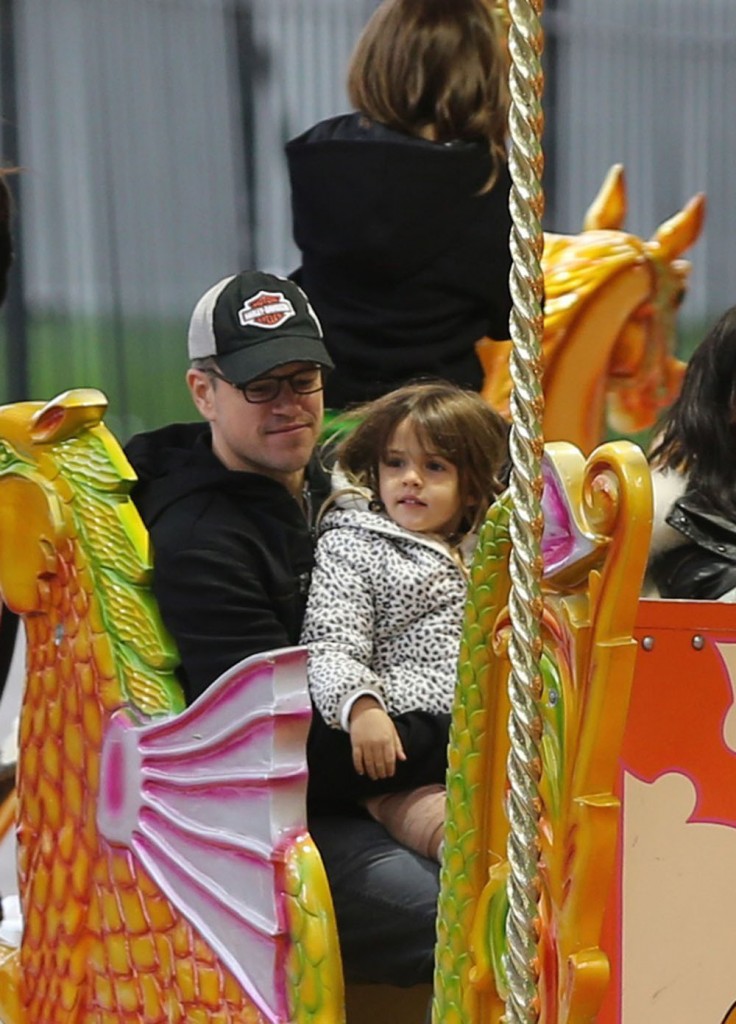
[527, 203]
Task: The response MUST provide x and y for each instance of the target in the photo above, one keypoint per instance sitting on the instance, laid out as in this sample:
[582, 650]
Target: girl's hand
[375, 741]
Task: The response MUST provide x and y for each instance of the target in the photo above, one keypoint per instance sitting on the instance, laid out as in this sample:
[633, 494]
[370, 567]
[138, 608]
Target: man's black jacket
[233, 551]
[703, 567]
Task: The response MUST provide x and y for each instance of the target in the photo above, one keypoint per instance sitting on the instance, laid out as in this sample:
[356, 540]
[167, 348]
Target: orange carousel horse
[611, 301]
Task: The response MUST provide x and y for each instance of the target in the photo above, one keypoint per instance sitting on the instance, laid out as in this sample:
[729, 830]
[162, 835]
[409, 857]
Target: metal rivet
[648, 643]
[698, 642]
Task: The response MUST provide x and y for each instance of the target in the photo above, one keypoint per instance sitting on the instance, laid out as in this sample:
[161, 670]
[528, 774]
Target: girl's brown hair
[434, 68]
[457, 424]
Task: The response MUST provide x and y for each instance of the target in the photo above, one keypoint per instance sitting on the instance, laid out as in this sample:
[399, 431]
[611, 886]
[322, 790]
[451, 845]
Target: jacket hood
[171, 462]
[352, 507]
[177, 460]
[356, 515]
[387, 230]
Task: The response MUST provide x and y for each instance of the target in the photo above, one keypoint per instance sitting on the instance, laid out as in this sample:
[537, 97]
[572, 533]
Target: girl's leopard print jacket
[384, 616]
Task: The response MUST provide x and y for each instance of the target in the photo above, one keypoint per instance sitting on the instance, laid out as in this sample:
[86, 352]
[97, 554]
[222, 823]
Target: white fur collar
[667, 485]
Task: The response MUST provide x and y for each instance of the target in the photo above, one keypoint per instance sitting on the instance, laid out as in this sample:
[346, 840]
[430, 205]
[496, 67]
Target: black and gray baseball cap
[252, 322]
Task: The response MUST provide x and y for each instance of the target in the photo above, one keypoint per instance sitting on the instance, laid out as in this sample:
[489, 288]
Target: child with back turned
[387, 599]
[400, 209]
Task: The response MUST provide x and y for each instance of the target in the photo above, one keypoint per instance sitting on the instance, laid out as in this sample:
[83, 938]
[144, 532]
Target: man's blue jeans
[385, 899]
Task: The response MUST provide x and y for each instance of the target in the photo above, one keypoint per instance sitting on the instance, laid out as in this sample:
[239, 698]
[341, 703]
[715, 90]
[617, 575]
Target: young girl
[387, 598]
[400, 209]
[693, 550]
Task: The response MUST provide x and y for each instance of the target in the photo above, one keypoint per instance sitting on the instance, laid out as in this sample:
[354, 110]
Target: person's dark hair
[698, 434]
[434, 68]
[203, 363]
[457, 424]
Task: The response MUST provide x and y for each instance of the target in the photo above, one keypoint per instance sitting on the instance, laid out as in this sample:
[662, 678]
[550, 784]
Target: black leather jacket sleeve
[704, 568]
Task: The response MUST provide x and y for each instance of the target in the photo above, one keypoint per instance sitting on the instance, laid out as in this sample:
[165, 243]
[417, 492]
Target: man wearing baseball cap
[229, 504]
[226, 501]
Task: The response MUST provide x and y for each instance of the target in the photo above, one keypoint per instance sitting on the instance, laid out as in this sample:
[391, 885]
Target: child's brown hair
[434, 68]
[454, 423]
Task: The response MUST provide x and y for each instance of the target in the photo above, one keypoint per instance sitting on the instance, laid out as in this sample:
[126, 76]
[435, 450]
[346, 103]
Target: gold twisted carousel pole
[527, 202]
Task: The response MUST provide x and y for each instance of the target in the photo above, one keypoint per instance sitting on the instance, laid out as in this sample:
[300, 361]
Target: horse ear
[679, 232]
[68, 414]
[608, 209]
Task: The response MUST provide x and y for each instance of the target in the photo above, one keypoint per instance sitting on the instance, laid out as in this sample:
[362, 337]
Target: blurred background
[150, 135]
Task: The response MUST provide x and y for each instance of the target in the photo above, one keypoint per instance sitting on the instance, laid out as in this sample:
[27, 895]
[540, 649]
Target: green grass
[138, 363]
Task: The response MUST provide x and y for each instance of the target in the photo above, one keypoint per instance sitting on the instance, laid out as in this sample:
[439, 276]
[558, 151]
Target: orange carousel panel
[671, 921]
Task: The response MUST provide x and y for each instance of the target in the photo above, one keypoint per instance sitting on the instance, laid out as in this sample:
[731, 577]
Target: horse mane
[112, 548]
[576, 267]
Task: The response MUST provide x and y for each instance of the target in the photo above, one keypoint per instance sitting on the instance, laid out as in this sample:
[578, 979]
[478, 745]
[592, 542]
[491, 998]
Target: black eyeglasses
[267, 389]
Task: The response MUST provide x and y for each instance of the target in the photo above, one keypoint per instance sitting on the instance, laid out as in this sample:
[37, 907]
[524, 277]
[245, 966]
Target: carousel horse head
[611, 302]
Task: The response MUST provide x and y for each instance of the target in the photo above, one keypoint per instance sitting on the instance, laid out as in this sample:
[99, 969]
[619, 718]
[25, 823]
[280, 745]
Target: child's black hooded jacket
[404, 257]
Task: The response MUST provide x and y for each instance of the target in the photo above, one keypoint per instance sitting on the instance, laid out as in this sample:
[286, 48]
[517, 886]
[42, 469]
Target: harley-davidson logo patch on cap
[267, 310]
